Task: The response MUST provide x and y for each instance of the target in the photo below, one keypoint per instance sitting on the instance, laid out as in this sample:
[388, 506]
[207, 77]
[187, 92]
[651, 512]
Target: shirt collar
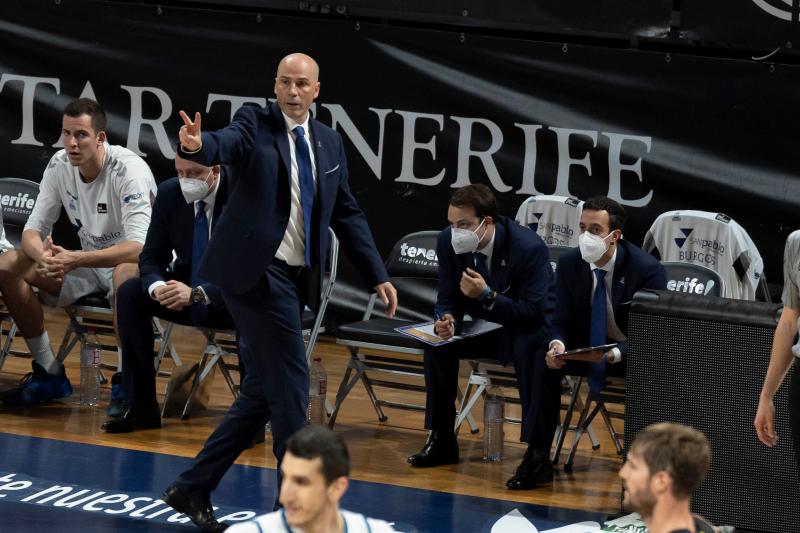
[291, 124]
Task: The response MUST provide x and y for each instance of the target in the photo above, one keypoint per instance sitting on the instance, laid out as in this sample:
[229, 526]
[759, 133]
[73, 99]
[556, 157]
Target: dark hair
[477, 196]
[319, 441]
[616, 213]
[681, 451]
[87, 106]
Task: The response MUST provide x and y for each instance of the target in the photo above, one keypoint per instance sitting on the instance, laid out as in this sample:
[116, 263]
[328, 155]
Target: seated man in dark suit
[595, 284]
[491, 268]
[184, 214]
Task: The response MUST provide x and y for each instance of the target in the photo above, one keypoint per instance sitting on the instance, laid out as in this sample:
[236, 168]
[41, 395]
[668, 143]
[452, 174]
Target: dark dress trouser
[275, 389]
[539, 387]
[135, 311]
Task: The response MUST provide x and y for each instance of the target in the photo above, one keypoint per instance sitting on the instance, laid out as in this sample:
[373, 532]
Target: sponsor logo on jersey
[128, 198]
[102, 208]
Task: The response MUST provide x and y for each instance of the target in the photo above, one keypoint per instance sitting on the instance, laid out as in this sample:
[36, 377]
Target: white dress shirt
[292, 249]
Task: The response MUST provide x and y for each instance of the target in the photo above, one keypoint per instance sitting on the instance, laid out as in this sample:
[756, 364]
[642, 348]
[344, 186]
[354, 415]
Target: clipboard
[578, 351]
[424, 331]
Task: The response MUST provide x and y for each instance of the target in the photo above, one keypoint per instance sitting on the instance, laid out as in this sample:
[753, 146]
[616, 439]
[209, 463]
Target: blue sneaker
[38, 387]
[119, 397]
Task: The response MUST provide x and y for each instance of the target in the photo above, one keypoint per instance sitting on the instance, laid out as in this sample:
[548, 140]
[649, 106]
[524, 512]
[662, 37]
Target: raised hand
[189, 134]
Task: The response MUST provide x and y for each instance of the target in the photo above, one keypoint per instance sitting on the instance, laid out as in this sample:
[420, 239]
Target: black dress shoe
[440, 449]
[195, 504]
[133, 419]
[534, 470]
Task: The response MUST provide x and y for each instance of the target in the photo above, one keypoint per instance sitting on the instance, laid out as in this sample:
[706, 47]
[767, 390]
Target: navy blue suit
[521, 274]
[633, 270]
[264, 295]
[171, 228]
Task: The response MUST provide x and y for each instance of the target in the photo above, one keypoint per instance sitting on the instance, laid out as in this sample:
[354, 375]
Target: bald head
[300, 60]
[297, 85]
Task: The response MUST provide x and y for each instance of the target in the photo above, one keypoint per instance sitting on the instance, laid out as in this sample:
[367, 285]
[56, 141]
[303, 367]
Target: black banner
[764, 26]
[423, 112]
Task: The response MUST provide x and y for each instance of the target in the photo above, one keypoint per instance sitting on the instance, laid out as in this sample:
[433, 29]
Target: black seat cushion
[308, 319]
[97, 299]
[378, 331]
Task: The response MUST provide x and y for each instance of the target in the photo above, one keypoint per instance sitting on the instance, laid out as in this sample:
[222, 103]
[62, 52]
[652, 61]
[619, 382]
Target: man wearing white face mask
[490, 267]
[595, 282]
[183, 217]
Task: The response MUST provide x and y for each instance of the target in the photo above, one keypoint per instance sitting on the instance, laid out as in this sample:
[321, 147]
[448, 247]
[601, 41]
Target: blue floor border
[48, 484]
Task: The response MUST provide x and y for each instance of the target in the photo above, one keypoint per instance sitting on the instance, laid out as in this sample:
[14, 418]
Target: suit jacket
[256, 147]
[171, 228]
[520, 273]
[633, 270]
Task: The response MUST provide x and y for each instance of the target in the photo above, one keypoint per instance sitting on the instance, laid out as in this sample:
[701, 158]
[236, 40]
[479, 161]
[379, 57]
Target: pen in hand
[444, 326]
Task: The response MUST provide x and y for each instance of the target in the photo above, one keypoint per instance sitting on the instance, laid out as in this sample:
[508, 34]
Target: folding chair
[713, 241]
[19, 196]
[223, 343]
[92, 317]
[555, 218]
[414, 270]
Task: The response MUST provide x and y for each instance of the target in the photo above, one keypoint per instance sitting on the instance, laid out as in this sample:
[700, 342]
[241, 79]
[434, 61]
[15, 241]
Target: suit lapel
[281, 139]
[499, 270]
[619, 276]
[221, 198]
[323, 158]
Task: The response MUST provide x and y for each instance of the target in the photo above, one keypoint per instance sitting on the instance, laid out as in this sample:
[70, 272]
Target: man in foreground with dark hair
[665, 465]
[315, 470]
[491, 268]
[107, 192]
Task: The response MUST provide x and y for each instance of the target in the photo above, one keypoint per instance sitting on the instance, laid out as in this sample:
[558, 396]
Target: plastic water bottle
[493, 417]
[90, 373]
[317, 392]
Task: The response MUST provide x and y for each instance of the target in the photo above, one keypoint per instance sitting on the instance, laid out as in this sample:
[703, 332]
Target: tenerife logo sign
[781, 9]
[417, 255]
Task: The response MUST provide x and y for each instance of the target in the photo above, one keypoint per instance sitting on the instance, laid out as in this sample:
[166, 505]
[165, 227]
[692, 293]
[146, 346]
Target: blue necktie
[597, 331]
[306, 176]
[199, 242]
[480, 266]
[198, 312]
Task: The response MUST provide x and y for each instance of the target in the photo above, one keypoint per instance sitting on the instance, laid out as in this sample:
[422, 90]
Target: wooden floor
[379, 450]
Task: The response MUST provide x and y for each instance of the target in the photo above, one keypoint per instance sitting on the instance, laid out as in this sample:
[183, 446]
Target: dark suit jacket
[256, 147]
[633, 270]
[520, 273]
[171, 228]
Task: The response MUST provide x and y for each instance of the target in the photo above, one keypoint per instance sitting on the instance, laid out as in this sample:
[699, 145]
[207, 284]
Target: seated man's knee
[129, 291]
[14, 265]
[124, 272]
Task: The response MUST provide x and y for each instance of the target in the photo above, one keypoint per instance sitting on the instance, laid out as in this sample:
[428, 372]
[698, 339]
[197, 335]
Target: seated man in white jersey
[315, 470]
[107, 193]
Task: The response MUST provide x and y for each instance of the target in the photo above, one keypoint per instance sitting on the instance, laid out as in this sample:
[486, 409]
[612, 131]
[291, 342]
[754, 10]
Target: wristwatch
[198, 297]
[489, 300]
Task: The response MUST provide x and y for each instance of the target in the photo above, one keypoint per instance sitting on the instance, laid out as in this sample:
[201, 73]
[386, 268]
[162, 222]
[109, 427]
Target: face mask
[464, 240]
[194, 190]
[592, 246]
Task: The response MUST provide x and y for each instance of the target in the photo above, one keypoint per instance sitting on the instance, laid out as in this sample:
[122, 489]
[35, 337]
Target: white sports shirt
[113, 208]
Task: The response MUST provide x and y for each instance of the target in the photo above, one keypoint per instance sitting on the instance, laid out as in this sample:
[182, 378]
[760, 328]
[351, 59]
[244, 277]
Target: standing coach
[288, 184]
